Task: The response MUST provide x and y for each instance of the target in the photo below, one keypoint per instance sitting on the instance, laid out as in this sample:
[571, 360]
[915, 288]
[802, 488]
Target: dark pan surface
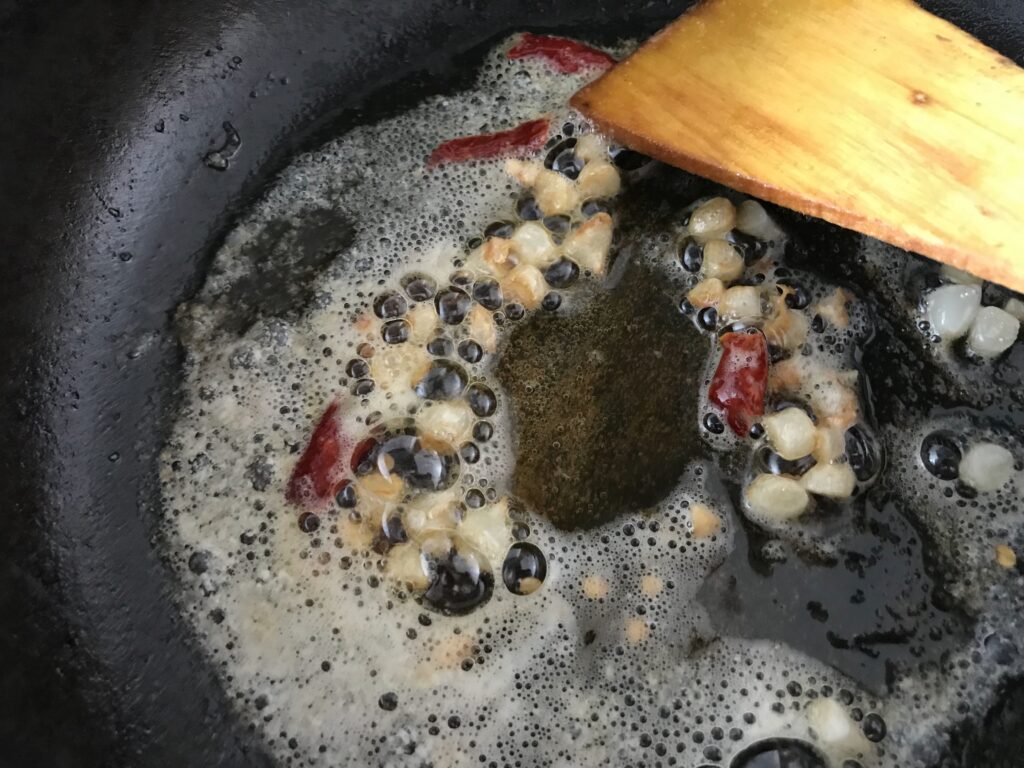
[107, 218]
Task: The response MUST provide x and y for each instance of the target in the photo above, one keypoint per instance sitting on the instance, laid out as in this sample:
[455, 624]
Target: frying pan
[108, 216]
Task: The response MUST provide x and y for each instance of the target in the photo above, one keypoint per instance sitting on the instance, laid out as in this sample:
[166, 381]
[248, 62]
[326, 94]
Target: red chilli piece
[567, 56]
[741, 379]
[320, 470]
[524, 139]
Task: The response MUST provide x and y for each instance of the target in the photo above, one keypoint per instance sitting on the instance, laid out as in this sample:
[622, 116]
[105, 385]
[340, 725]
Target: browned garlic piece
[588, 246]
[524, 284]
[553, 192]
[706, 293]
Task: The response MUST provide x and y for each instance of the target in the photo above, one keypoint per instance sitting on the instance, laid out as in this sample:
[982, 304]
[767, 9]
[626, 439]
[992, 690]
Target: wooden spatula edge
[605, 101]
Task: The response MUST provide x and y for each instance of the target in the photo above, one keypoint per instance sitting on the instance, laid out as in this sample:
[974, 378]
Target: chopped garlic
[590, 147]
[706, 293]
[1005, 556]
[390, 488]
[598, 179]
[422, 320]
[482, 329]
[432, 514]
[712, 219]
[704, 522]
[787, 329]
[993, 331]
[791, 433]
[651, 585]
[833, 308]
[492, 257]
[637, 630]
[397, 366]
[833, 726]
[524, 284]
[741, 302]
[829, 445]
[448, 421]
[776, 497]
[722, 260]
[1016, 308]
[489, 532]
[986, 467]
[588, 246]
[959, 276]
[532, 244]
[595, 587]
[553, 192]
[951, 309]
[834, 480]
[752, 219]
[405, 566]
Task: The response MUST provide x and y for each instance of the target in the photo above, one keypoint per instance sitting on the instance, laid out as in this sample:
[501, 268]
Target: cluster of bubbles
[614, 661]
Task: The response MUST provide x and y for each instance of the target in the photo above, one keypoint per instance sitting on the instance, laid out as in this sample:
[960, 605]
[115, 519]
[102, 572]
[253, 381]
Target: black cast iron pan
[108, 216]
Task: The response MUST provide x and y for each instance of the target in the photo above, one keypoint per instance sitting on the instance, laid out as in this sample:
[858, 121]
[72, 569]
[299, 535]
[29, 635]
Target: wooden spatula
[872, 114]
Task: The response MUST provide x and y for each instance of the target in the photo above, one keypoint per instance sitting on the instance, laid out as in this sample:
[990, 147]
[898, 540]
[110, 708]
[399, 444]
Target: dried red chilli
[319, 470]
[741, 379]
[567, 56]
[524, 139]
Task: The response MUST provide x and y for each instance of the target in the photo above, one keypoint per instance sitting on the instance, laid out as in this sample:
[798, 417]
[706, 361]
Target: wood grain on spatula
[872, 114]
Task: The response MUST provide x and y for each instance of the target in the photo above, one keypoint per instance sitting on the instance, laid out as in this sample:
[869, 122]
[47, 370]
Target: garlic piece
[722, 260]
[447, 421]
[752, 219]
[741, 302]
[706, 293]
[787, 329]
[1016, 308]
[598, 179]
[637, 630]
[834, 726]
[993, 331]
[712, 219]
[396, 366]
[986, 467]
[390, 488]
[829, 445]
[482, 329]
[952, 308]
[833, 308]
[493, 257]
[524, 284]
[791, 433]
[1005, 556]
[433, 513]
[959, 276]
[834, 480]
[594, 587]
[422, 319]
[531, 244]
[489, 532]
[651, 585]
[704, 522]
[588, 246]
[405, 565]
[775, 497]
[553, 192]
[590, 147]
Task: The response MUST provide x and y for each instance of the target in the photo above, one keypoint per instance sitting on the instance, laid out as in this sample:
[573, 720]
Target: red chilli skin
[318, 473]
[741, 379]
[524, 139]
[567, 56]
